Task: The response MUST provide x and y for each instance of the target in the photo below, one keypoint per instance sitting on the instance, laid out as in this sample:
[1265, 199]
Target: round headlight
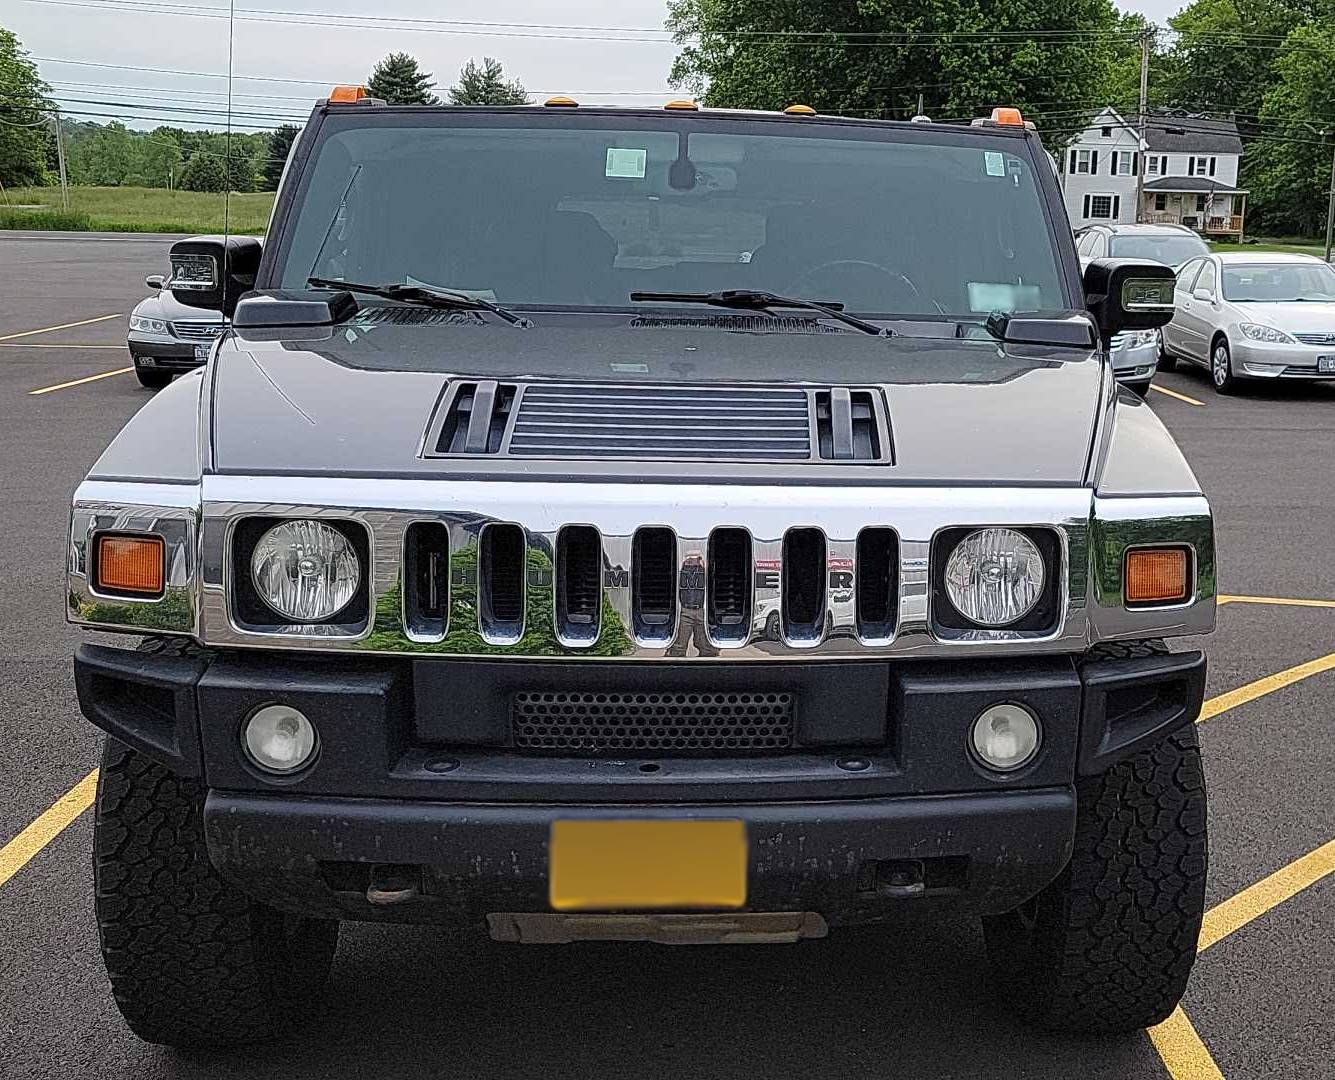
[994, 576]
[305, 570]
[279, 739]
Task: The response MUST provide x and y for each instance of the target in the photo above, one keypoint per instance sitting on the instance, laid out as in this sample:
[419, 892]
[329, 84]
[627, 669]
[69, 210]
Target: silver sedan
[1252, 317]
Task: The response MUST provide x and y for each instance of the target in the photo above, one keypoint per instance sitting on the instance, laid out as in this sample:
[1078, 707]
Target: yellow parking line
[1253, 690]
[52, 345]
[79, 382]
[1254, 901]
[1181, 1050]
[1175, 394]
[16, 854]
[62, 326]
[1280, 601]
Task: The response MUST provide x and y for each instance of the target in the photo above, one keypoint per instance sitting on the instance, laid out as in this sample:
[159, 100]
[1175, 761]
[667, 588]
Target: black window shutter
[1116, 206]
[1135, 163]
[1086, 213]
[1212, 161]
[1093, 163]
[1191, 165]
[1116, 155]
[1071, 170]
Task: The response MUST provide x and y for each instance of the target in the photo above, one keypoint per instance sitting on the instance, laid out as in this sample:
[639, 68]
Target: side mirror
[1128, 294]
[213, 271]
[155, 281]
[1203, 294]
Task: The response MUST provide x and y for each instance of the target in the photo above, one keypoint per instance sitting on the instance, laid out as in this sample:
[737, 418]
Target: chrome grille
[673, 723]
[634, 422]
[196, 329]
[1316, 339]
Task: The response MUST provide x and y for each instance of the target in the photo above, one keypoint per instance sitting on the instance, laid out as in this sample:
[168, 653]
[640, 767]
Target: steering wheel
[900, 284]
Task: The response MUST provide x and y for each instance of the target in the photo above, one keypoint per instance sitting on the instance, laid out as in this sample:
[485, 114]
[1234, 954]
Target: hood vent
[631, 422]
[847, 425]
[474, 418]
[404, 315]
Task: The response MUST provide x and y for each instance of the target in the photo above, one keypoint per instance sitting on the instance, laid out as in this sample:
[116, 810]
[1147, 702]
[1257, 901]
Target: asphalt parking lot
[909, 1002]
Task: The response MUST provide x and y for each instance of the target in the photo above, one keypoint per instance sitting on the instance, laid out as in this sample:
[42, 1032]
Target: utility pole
[1330, 208]
[60, 160]
[1145, 40]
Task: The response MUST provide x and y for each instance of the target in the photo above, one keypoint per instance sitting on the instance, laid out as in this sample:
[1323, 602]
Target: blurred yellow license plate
[601, 865]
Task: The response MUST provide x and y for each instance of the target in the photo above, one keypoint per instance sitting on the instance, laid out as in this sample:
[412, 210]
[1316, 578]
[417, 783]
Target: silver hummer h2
[672, 525]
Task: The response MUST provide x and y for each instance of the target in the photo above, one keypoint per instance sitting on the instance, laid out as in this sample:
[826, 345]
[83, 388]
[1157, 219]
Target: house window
[1201, 166]
[1102, 207]
[1160, 201]
[1082, 161]
[1200, 204]
[1123, 163]
[1156, 165]
[1106, 133]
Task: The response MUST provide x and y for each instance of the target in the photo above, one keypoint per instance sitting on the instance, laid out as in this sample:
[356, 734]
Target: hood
[358, 401]
[1303, 317]
[162, 305]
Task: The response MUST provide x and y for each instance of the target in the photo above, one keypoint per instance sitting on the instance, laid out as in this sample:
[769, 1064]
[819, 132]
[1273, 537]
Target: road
[907, 1002]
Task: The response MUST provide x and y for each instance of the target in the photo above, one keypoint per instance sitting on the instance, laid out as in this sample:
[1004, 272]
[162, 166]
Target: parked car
[1248, 317]
[166, 337]
[1136, 356]
[449, 570]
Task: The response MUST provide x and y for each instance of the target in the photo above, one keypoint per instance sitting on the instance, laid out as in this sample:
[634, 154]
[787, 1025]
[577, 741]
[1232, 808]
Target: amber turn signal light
[130, 564]
[1156, 576]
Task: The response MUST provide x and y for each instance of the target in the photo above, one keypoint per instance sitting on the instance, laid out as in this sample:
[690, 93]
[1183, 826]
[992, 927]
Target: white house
[1190, 173]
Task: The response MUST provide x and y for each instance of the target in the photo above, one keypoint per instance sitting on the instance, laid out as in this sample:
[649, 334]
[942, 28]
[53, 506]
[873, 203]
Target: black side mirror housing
[155, 281]
[213, 271]
[1128, 294]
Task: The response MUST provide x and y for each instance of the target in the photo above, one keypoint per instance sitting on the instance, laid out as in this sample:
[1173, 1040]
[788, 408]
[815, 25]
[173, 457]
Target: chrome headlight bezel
[1041, 616]
[252, 611]
[141, 324]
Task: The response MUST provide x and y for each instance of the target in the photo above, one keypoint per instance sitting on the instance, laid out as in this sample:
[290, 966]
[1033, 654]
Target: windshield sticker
[1003, 296]
[995, 163]
[626, 164]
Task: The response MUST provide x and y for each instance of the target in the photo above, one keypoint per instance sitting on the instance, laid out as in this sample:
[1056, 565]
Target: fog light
[1005, 737]
[279, 739]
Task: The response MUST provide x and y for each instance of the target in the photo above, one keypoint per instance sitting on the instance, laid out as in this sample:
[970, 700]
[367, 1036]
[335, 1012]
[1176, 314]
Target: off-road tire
[152, 378]
[1108, 946]
[193, 961]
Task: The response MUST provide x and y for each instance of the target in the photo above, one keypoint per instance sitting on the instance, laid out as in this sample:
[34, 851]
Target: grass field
[134, 209]
[1262, 243]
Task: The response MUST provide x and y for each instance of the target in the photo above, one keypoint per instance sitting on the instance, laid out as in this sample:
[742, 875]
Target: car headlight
[147, 326]
[994, 576]
[305, 570]
[1257, 332]
[1142, 338]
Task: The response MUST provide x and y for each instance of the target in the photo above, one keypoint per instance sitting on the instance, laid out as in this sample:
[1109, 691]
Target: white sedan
[1246, 317]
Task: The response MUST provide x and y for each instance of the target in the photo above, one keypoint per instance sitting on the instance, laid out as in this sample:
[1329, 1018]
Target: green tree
[275, 155]
[110, 155]
[398, 80]
[204, 171]
[25, 130]
[874, 57]
[487, 85]
[1289, 161]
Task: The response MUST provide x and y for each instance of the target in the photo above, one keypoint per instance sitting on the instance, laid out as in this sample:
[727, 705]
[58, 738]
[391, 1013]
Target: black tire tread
[192, 960]
[1115, 936]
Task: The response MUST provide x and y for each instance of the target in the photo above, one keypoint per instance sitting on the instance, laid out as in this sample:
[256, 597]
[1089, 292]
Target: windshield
[1276, 282]
[535, 214]
[1171, 249]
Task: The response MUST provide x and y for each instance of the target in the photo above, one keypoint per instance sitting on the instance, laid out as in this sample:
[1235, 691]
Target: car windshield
[1257, 283]
[1171, 249]
[524, 212]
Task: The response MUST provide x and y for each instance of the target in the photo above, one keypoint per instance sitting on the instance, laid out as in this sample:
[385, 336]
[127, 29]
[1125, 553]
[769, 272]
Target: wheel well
[1219, 336]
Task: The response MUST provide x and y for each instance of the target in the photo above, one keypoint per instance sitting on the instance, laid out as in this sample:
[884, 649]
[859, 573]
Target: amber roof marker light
[560, 101]
[131, 565]
[347, 95]
[1156, 576]
[682, 104]
[1007, 117]
[799, 110]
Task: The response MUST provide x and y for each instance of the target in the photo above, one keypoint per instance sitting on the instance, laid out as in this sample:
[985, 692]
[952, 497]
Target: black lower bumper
[880, 800]
[174, 356]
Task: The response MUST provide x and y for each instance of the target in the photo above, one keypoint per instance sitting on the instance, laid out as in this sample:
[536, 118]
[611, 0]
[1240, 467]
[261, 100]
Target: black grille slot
[877, 570]
[654, 588]
[730, 576]
[579, 578]
[475, 418]
[805, 577]
[675, 724]
[848, 425]
[500, 575]
[426, 579]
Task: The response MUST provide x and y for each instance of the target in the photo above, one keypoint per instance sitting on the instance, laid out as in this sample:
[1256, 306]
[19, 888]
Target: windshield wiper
[426, 295]
[759, 300]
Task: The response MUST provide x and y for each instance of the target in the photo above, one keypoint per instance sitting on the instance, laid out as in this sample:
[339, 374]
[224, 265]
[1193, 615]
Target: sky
[283, 60]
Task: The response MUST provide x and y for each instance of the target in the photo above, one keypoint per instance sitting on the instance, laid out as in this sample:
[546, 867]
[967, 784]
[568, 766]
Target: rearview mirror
[213, 271]
[1128, 294]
